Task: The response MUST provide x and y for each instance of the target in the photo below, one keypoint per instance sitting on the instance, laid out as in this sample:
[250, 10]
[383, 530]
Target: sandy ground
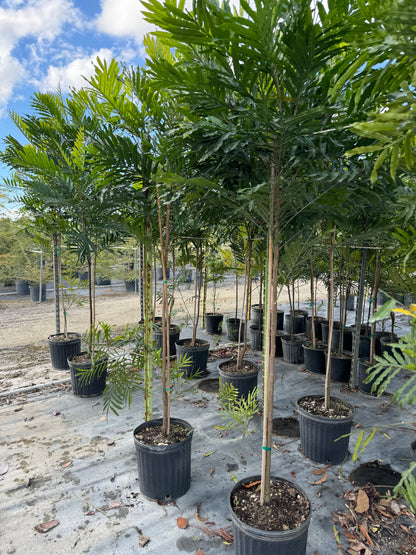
[25, 326]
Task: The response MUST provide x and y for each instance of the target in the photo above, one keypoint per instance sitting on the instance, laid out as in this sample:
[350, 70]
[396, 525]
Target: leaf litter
[376, 526]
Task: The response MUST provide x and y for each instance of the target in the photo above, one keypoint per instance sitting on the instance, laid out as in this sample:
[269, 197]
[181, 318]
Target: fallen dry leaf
[143, 540]
[365, 534]
[182, 523]
[363, 503]
[319, 481]
[3, 469]
[319, 471]
[115, 504]
[46, 526]
[197, 514]
[208, 454]
[200, 552]
[65, 465]
[293, 474]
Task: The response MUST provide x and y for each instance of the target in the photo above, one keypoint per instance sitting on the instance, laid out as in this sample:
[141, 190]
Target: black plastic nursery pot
[314, 358]
[164, 470]
[279, 348]
[93, 386]
[336, 334]
[257, 315]
[340, 367]
[297, 320]
[253, 541]
[34, 293]
[317, 325]
[319, 435]
[22, 287]
[174, 332]
[213, 322]
[386, 342]
[256, 338]
[244, 383]
[197, 356]
[292, 350]
[364, 346]
[363, 368]
[61, 349]
[130, 285]
[280, 320]
[233, 326]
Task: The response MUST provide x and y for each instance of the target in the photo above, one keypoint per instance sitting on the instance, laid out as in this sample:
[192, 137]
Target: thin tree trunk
[57, 277]
[164, 247]
[312, 308]
[270, 331]
[204, 296]
[374, 307]
[148, 320]
[331, 320]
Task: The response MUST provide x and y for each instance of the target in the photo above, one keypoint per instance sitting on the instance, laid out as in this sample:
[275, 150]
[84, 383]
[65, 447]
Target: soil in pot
[244, 378]
[163, 463]
[61, 348]
[279, 528]
[213, 322]
[324, 434]
[197, 356]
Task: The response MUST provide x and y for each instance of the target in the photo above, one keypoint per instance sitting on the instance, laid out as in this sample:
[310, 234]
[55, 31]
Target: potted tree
[215, 267]
[325, 422]
[64, 345]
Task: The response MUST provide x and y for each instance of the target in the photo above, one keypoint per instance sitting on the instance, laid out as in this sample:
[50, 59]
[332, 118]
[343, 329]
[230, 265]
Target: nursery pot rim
[160, 449]
[66, 341]
[234, 374]
[257, 533]
[320, 418]
[83, 365]
[203, 344]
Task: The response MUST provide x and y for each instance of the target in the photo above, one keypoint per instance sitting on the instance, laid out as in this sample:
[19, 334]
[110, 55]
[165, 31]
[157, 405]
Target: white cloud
[73, 74]
[41, 19]
[123, 19]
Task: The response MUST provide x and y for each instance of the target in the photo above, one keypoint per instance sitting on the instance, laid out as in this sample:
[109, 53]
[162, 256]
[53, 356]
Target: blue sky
[46, 44]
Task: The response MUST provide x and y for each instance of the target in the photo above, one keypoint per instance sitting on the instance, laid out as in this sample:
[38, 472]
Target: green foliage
[238, 411]
[407, 487]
